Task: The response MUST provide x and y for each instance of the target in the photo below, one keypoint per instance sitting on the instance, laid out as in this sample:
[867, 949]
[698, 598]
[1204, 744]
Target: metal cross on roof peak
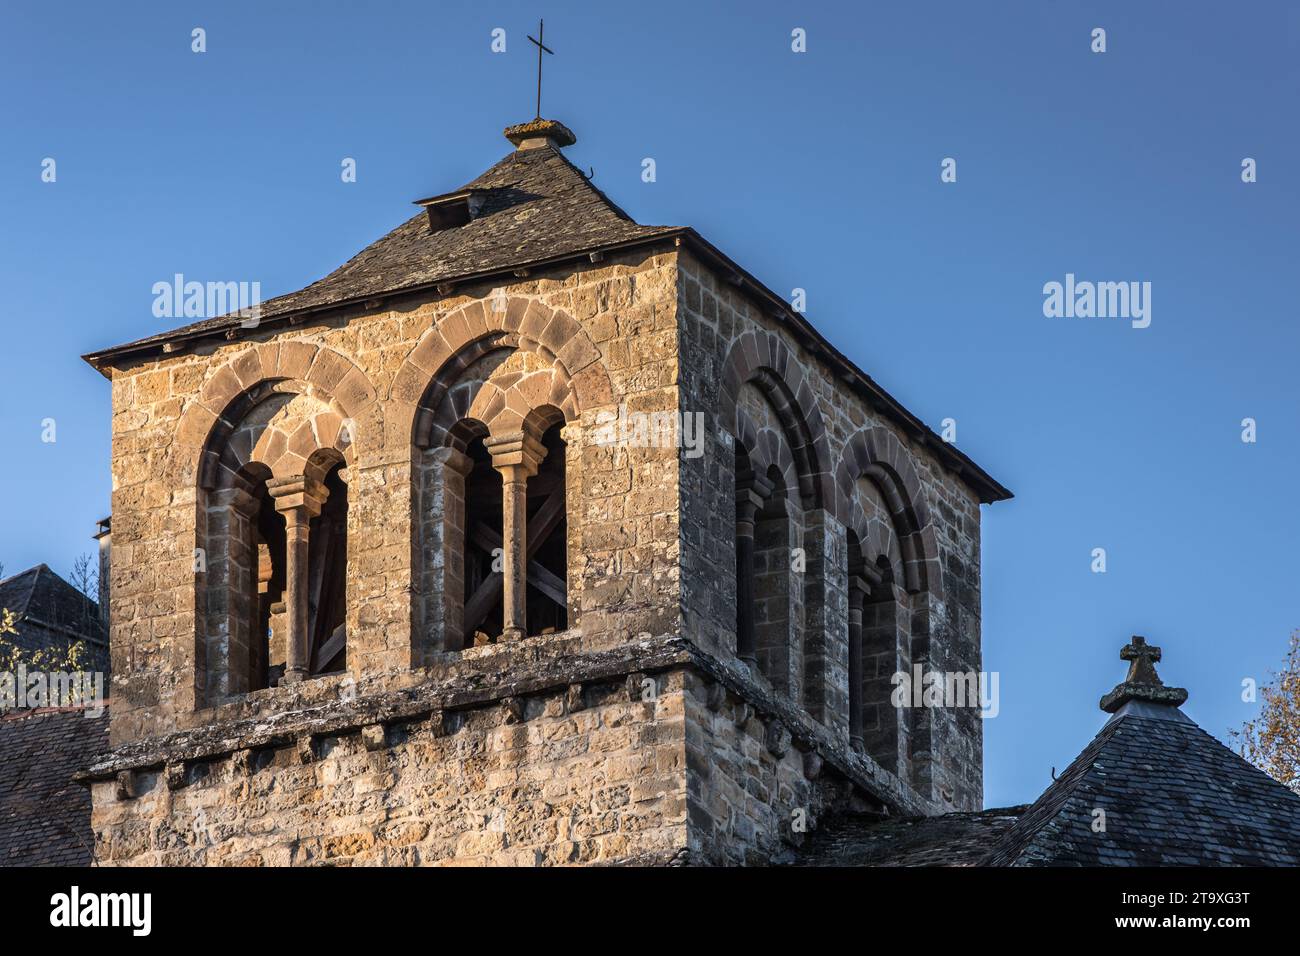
[541, 48]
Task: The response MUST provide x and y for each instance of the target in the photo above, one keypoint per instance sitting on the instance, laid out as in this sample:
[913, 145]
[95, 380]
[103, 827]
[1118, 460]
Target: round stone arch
[475, 329]
[249, 379]
[875, 453]
[500, 403]
[767, 450]
[284, 451]
[765, 361]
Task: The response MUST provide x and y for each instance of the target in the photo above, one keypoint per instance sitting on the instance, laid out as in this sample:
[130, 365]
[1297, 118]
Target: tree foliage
[65, 658]
[1272, 740]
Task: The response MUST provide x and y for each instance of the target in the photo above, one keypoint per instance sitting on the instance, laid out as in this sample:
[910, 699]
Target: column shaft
[299, 499]
[857, 689]
[514, 547]
[295, 566]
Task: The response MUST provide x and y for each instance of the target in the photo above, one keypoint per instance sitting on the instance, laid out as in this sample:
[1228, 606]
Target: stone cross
[1142, 683]
[1143, 658]
[541, 47]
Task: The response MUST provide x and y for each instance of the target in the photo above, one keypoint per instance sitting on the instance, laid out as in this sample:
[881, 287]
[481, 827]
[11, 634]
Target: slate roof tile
[44, 815]
[1173, 796]
[536, 206]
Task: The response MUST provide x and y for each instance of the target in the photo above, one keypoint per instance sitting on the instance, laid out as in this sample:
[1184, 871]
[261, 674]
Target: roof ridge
[19, 609]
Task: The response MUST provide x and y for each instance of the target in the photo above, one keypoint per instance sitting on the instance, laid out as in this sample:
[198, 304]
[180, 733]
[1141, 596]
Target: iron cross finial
[541, 48]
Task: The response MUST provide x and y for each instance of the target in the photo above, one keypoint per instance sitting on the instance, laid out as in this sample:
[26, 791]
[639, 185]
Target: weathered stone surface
[634, 734]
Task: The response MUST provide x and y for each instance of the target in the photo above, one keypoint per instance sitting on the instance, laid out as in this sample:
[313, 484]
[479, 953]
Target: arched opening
[240, 570]
[480, 543]
[251, 559]
[327, 575]
[886, 656]
[776, 604]
[547, 539]
[271, 542]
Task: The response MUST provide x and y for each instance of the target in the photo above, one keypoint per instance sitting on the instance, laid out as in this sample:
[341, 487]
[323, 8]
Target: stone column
[443, 611]
[748, 502]
[231, 567]
[299, 499]
[517, 457]
[857, 598]
[571, 434]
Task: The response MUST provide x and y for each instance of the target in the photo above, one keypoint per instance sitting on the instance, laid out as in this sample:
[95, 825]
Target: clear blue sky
[818, 170]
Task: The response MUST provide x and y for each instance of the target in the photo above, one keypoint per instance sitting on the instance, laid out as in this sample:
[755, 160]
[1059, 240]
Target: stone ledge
[465, 691]
[553, 674]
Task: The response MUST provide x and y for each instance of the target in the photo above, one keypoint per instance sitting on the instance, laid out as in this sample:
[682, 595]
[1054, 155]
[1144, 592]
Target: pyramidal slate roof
[1172, 794]
[533, 209]
[40, 597]
[536, 206]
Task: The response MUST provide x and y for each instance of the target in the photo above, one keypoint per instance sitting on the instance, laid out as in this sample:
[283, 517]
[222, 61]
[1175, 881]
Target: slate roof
[538, 210]
[1173, 796]
[39, 598]
[44, 815]
[537, 206]
[952, 839]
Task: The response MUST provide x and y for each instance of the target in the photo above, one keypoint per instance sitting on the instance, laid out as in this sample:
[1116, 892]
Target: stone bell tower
[529, 535]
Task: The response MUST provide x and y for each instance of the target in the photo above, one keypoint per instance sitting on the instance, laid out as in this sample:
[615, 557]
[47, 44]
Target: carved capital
[298, 497]
[453, 460]
[516, 456]
[858, 591]
[748, 504]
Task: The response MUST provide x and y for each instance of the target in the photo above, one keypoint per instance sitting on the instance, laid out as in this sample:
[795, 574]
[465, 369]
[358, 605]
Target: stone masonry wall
[719, 328]
[715, 765]
[375, 364]
[585, 775]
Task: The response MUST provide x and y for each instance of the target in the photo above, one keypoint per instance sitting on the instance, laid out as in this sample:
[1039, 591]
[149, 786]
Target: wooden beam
[540, 527]
[325, 654]
[538, 575]
[548, 583]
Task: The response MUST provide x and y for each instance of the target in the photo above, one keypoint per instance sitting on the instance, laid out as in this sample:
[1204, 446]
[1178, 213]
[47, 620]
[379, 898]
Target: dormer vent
[452, 209]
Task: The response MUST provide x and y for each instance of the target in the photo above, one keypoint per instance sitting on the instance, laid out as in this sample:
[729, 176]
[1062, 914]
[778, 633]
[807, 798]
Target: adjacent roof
[537, 210]
[953, 839]
[44, 816]
[1154, 789]
[40, 597]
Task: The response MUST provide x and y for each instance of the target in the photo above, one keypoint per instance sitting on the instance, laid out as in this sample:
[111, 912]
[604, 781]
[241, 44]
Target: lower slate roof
[40, 598]
[952, 839]
[1173, 795]
[44, 815]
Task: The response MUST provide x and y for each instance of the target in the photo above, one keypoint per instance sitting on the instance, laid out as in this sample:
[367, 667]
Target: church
[386, 587]
[532, 535]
